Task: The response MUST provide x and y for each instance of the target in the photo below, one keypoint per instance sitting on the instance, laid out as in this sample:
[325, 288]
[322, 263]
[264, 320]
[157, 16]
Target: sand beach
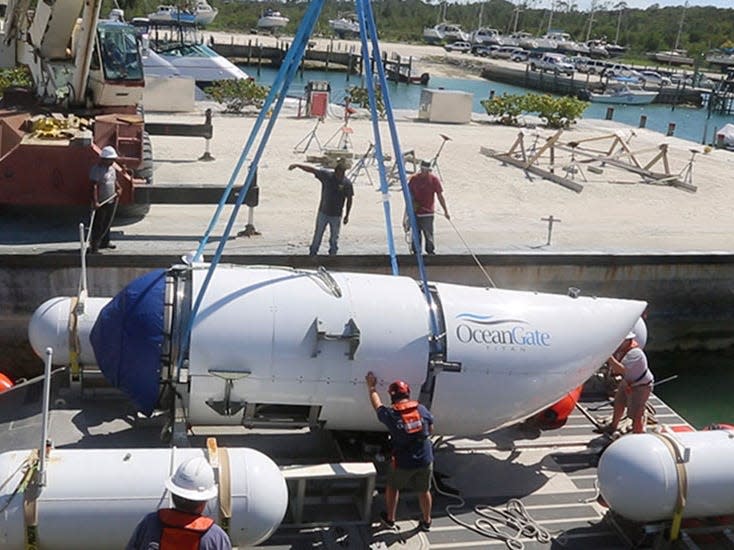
[494, 208]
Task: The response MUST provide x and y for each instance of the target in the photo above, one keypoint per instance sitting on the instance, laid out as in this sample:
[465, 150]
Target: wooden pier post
[610, 113]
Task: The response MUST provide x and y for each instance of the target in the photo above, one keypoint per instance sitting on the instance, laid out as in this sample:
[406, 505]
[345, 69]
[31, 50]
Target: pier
[333, 56]
[559, 84]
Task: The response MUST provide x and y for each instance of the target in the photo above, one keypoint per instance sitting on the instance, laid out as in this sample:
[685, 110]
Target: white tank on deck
[93, 499]
[638, 478]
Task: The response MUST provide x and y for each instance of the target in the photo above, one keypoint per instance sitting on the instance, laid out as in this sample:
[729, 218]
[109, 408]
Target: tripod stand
[434, 159]
[344, 131]
[361, 165]
[310, 137]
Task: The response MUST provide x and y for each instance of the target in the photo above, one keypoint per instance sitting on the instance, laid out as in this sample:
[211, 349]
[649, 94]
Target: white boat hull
[624, 98]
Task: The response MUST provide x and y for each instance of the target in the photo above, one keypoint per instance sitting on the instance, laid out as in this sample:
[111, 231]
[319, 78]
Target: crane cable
[481, 267]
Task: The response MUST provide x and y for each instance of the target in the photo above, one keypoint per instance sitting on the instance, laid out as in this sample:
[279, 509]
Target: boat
[200, 62]
[182, 54]
[672, 57]
[623, 94]
[201, 14]
[445, 32]
[272, 20]
[166, 13]
[597, 48]
[345, 25]
[562, 42]
[204, 13]
[486, 36]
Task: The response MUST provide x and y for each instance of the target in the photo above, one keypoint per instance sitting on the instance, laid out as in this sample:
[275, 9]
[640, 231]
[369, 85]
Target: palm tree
[620, 7]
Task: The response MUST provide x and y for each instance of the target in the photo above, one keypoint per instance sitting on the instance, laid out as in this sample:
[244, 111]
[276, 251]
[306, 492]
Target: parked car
[655, 78]
[506, 52]
[483, 51]
[520, 56]
[458, 46]
[585, 64]
[553, 62]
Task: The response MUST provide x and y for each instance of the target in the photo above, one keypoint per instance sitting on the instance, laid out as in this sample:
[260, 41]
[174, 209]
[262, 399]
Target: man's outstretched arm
[304, 167]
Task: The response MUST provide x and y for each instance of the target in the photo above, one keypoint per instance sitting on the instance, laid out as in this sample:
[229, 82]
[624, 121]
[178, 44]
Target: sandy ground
[493, 207]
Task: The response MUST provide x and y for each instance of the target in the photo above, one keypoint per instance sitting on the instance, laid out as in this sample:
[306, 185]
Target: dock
[334, 56]
[550, 475]
[565, 85]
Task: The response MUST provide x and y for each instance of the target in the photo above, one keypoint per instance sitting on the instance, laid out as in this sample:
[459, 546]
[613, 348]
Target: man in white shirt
[630, 362]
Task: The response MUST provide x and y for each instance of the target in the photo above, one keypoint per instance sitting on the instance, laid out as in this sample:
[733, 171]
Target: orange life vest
[622, 352]
[412, 421]
[181, 530]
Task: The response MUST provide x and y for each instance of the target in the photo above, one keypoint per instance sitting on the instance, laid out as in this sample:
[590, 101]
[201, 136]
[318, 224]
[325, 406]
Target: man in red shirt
[424, 187]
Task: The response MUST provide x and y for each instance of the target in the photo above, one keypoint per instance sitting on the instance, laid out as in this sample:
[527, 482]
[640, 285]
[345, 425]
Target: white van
[556, 63]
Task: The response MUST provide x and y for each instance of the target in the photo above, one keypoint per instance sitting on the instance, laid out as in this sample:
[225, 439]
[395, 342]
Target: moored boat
[345, 25]
[444, 32]
[272, 20]
[624, 94]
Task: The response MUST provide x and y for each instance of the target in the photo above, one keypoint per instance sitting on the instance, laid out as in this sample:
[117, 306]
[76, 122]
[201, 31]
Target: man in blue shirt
[410, 425]
[336, 189]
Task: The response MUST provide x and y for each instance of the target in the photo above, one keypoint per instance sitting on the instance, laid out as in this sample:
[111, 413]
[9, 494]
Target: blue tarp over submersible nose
[127, 339]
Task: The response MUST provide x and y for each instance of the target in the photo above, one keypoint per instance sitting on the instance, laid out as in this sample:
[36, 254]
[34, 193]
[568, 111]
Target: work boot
[390, 524]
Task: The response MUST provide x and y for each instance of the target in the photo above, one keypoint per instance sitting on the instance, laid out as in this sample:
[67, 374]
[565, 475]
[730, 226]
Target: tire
[145, 172]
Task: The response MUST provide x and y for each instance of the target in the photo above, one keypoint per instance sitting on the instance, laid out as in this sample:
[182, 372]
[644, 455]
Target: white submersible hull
[271, 342]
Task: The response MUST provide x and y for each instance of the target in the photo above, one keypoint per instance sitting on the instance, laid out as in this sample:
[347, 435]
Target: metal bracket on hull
[226, 407]
[351, 335]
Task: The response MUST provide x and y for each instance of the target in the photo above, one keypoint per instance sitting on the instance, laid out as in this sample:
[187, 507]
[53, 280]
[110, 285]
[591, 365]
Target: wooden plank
[545, 174]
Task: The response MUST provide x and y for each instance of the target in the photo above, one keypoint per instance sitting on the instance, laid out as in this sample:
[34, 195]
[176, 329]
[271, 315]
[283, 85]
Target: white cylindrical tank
[94, 498]
[51, 323]
[638, 478]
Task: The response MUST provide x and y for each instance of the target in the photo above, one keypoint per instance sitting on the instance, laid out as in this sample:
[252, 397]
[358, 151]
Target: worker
[410, 425]
[424, 187]
[105, 192]
[191, 486]
[634, 390]
[336, 190]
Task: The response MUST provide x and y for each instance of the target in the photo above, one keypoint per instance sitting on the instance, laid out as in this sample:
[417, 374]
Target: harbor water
[690, 123]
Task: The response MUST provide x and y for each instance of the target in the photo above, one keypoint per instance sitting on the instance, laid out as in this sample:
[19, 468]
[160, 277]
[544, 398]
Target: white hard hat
[108, 152]
[193, 480]
[630, 335]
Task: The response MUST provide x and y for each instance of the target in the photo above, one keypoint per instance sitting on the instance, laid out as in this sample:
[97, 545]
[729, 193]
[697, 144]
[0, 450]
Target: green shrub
[556, 112]
[360, 97]
[18, 76]
[237, 93]
[507, 108]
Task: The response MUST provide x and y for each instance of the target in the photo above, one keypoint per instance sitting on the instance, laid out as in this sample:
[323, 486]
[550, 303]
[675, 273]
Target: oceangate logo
[486, 329]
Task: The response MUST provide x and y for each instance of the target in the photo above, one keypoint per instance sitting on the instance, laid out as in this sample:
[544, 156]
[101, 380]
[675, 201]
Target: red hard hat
[399, 387]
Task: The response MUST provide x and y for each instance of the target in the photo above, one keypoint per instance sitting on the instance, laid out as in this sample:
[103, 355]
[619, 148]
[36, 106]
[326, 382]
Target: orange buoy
[556, 415]
[5, 383]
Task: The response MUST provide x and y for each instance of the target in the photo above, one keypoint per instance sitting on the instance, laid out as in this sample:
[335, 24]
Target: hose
[509, 525]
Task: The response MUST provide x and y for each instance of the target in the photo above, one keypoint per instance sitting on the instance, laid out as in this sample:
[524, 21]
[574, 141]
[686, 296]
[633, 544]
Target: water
[702, 392]
[690, 123]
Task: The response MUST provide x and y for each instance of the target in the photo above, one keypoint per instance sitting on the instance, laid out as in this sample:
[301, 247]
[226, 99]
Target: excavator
[87, 76]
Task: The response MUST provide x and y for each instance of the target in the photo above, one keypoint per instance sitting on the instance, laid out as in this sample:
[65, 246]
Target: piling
[610, 113]
[643, 121]
[671, 129]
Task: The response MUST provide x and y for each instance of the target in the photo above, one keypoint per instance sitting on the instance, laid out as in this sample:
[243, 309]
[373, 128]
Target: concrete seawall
[691, 296]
